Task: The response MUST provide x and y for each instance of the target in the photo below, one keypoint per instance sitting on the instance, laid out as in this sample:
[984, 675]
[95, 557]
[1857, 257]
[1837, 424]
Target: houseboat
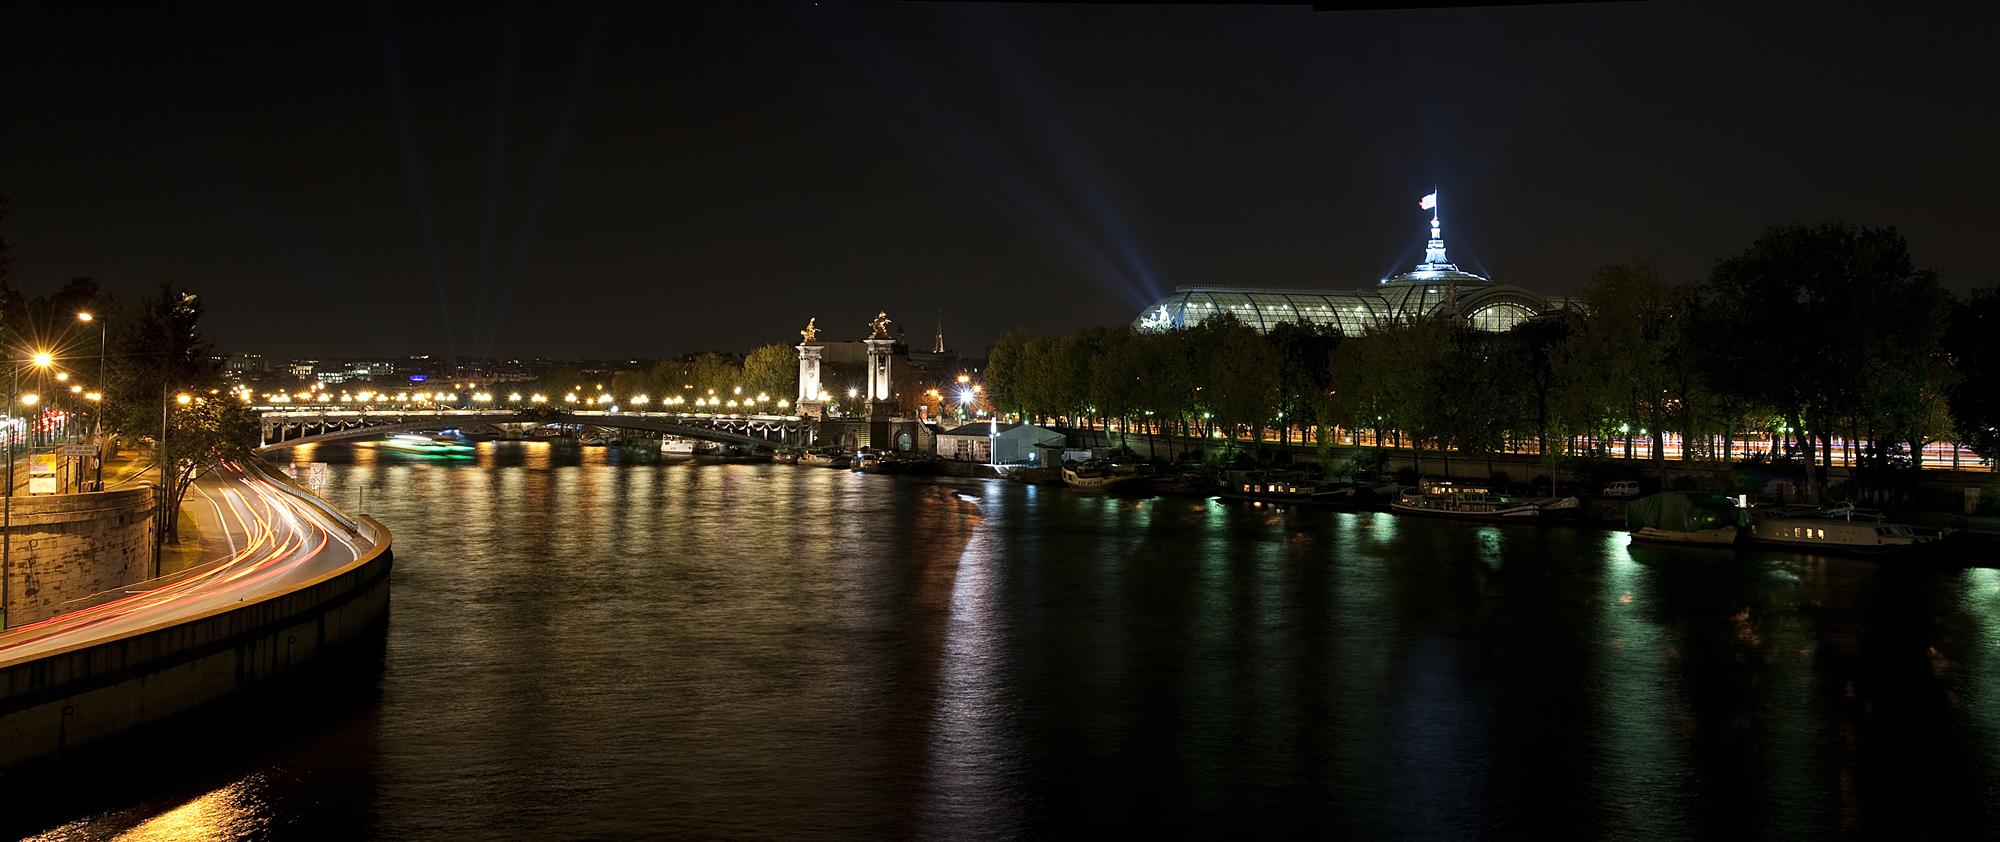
[1676, 517]
[1465, 502]
[1284, 487]
[1854, 534]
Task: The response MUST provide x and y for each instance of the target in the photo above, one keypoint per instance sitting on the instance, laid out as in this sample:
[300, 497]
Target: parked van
[1622, 488]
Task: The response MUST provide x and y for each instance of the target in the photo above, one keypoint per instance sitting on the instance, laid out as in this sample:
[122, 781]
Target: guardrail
[290, 486]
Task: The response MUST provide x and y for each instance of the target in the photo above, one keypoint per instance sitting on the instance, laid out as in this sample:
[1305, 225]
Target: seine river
[585, 643]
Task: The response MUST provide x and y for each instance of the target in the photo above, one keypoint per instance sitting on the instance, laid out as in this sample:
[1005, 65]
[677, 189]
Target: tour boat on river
[1469, 502]
[824, 459]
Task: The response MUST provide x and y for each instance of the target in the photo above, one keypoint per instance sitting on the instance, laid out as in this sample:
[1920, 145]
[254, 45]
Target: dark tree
[1304, 372]
[160, 352]
[1824, 323]
[1974, 348]
[1535, 345]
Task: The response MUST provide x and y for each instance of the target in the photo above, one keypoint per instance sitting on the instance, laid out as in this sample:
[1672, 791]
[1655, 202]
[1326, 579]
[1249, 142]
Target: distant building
[244, 367]
[1435, 287]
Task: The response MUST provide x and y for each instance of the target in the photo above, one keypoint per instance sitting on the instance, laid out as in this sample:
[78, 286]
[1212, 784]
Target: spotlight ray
[593, 38]
[400, 97]
[509, 57]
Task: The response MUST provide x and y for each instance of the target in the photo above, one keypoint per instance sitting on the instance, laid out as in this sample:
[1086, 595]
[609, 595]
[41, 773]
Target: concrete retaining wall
[68, 546]
[63, 700]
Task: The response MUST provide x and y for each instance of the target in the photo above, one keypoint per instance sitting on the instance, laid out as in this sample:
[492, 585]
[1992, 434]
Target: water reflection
[1640, 725]
[590, 643]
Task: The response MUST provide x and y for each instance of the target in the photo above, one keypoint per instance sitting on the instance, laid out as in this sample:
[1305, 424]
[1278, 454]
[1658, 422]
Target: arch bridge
[289, 428]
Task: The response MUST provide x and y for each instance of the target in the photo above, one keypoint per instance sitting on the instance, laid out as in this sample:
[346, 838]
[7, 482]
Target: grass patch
[175, 558]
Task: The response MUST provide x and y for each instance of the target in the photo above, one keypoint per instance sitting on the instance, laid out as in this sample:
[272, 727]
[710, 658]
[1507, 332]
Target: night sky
[675, 177]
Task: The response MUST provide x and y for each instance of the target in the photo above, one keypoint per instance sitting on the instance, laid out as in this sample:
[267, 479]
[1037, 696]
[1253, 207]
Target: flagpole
[1434, 203]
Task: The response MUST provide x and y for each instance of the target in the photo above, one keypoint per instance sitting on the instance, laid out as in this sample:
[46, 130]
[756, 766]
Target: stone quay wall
[58, 701]
[64, 547]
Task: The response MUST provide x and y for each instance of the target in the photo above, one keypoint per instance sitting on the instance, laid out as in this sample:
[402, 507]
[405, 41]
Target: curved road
[274, 542]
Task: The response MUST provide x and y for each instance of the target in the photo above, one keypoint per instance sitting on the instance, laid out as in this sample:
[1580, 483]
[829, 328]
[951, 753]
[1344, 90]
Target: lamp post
[166, 482]
[103, 390]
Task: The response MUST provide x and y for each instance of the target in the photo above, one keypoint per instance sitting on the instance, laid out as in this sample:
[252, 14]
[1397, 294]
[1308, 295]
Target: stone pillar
[882, 402]
[809, 402]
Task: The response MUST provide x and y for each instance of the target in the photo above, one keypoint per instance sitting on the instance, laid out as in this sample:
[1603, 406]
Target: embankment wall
[62, 700]
[64, 547]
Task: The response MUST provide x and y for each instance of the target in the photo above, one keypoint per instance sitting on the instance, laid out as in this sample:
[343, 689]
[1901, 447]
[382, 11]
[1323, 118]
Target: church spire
[938, 347]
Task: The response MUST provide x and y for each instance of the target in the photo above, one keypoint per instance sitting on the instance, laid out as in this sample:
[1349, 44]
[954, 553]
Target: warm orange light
[45, 359]
[184, 399]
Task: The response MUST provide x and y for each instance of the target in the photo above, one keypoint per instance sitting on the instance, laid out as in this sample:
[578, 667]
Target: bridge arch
[290, 429]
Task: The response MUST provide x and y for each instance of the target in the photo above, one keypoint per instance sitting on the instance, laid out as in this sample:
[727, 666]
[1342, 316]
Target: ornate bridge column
[882, 402]
[809, 402]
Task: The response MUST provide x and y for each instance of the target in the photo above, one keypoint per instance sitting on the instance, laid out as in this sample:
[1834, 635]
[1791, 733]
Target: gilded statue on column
[880, 324]
[810, 333]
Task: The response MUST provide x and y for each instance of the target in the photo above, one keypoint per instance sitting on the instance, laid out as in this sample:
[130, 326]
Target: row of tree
[771, 370]
[1812, 334]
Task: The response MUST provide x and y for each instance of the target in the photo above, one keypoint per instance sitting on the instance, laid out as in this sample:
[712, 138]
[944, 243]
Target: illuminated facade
[1435, 286]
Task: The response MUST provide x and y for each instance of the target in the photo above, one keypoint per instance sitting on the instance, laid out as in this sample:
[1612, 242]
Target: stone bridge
[286, 428]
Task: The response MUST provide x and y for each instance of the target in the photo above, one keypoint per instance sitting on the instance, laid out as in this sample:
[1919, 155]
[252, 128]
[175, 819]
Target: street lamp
[7, 508]
[166, 490]
[97, 424]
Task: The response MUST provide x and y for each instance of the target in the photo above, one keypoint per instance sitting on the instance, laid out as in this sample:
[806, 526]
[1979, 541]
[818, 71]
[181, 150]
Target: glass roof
[1350, 310]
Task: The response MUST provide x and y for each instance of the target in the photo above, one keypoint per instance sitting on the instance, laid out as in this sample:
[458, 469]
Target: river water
[585, 643]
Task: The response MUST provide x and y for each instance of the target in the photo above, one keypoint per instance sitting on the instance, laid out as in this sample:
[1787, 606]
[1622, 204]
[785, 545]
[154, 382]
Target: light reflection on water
[586, 643]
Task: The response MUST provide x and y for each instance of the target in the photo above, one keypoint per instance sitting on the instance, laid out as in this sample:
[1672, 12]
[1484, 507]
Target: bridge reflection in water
[290, 428]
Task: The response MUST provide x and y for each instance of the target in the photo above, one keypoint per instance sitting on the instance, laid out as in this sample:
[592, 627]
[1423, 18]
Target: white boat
[675, 447]
[1097, 475]
[1464, 502]
[824, 459]
[1865, 536]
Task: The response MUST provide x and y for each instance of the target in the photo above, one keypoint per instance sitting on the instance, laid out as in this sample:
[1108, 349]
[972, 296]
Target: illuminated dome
[1435, 286]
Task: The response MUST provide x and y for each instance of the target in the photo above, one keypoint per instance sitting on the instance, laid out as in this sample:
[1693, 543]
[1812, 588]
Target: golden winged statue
[880, 324]
[810, 333]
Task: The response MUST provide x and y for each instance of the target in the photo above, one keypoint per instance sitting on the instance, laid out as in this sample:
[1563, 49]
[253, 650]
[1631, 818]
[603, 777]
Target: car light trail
[284, 542]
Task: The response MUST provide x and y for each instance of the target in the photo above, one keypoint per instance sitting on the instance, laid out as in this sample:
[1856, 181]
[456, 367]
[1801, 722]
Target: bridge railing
[502, 413]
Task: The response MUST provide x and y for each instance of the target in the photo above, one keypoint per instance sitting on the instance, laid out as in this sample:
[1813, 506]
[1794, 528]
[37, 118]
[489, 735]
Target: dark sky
[674, 177]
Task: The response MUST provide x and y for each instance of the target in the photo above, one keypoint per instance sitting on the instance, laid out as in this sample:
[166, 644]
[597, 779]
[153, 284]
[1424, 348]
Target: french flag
[1428, 202]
